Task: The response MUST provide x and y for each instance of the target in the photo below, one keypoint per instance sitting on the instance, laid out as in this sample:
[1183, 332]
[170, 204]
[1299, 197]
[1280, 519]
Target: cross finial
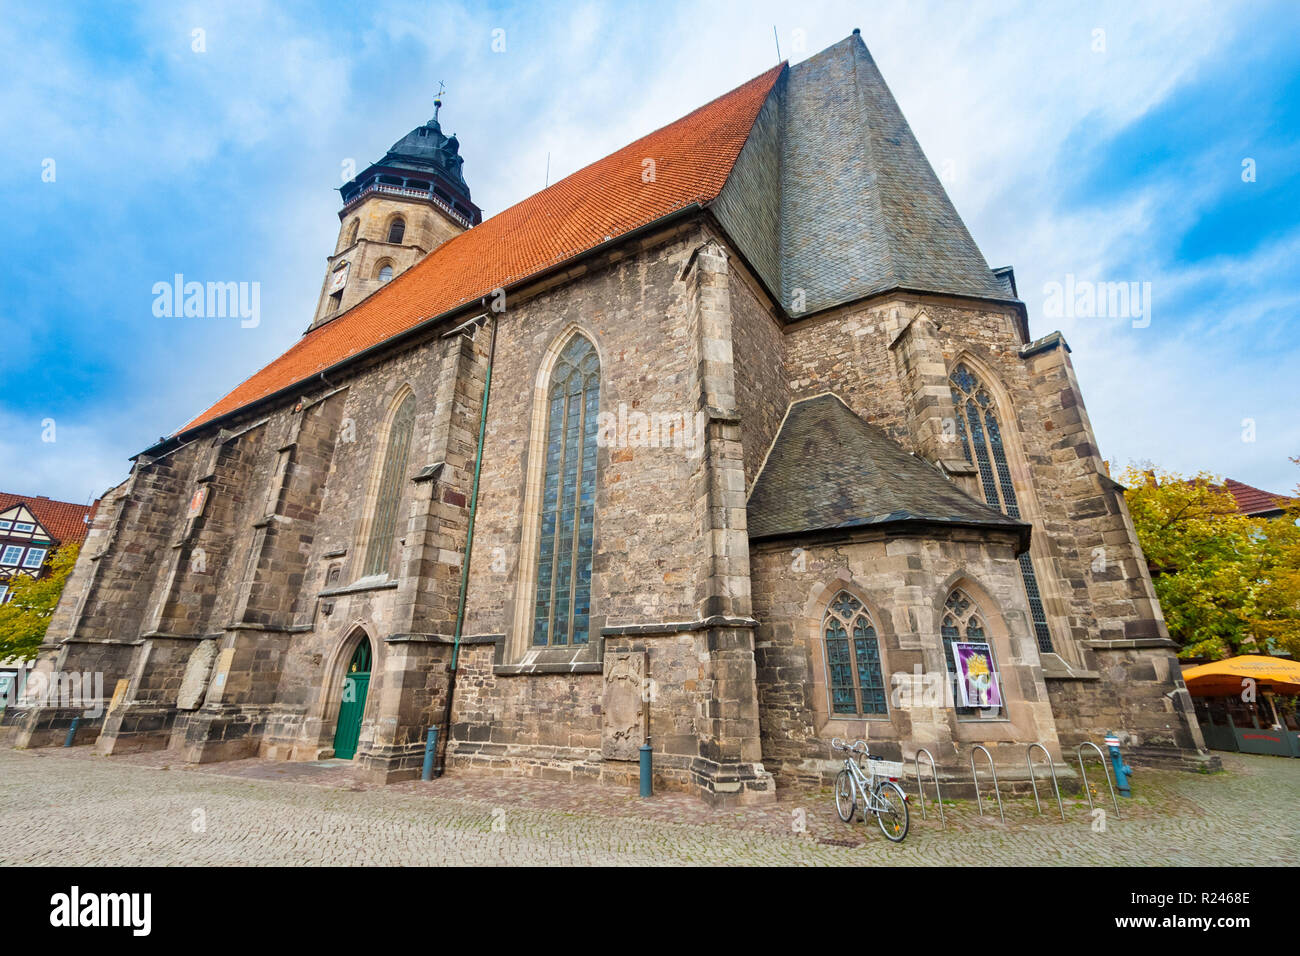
[437, 103]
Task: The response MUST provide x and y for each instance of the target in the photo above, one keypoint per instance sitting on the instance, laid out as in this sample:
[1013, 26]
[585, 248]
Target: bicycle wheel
[892, 813]
[845, 799]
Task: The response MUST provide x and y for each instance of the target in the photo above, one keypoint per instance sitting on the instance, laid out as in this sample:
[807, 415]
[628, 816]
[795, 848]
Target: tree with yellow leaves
[1228, 584]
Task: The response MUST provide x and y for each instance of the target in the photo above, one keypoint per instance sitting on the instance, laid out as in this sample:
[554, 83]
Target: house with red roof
[1254, 502]
[33, 527]
[725, 446]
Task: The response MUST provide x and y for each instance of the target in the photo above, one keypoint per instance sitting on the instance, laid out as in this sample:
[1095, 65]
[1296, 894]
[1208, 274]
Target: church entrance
[356, 682]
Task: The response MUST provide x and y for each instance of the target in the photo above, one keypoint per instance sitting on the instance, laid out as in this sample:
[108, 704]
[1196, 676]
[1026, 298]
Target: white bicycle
[875, 789]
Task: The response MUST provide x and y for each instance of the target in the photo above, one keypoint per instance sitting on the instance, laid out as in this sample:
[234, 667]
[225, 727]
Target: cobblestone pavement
[71, 807]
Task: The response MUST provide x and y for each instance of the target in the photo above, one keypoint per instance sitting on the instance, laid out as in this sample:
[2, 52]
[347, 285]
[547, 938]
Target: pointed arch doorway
[352, 705]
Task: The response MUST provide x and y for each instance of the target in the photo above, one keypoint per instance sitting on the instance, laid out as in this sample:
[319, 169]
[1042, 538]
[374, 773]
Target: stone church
[731, 443]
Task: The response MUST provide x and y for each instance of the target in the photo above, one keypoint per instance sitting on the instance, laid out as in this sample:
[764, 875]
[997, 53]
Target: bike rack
[1029, 761]
[1087, 792]
[979, 802]
[920, 788]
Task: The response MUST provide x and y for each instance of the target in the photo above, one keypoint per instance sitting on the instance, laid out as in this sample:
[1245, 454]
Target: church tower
[395, 213]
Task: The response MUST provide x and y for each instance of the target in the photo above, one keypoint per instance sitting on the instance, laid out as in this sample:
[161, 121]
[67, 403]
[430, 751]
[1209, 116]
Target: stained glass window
[383, 525]
[962, 621]
[854, 671]
[981, 441]
[562, 606]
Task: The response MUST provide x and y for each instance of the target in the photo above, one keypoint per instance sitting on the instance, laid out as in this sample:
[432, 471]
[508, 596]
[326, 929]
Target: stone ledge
[523, 670]
[442, 638]
[358, 587]
[1131, 643]
[670, 627]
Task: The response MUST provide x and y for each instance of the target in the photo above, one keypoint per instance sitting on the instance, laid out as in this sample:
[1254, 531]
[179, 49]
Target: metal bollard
[1122, 770]
[430, 750]
[647, 775]
[72, 732]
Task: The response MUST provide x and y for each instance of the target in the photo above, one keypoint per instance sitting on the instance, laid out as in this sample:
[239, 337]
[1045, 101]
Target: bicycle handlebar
[838, 744]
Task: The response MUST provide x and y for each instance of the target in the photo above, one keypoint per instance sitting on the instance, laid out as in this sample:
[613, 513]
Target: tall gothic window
[963, 623]
[981, 441]
[857, 680]
[563, 600]
[383, 524]
[396, 229]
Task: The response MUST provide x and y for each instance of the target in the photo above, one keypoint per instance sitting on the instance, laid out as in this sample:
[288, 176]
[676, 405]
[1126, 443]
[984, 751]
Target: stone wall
[903, 582]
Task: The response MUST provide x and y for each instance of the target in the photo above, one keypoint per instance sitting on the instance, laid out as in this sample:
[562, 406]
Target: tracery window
[396, 229]
[562, 603]
[963, 623]
[853, 668]
[981, 441]
[397, 453]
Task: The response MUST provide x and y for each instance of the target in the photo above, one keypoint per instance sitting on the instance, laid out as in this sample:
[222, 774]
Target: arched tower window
[966, 637]
[383, 524]
[562, 605]
[396, 229]
[981, 441]
[352, 233]
[853, 669]
[385, 271]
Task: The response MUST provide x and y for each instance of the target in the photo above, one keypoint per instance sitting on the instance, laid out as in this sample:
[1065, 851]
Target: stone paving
[70, 807]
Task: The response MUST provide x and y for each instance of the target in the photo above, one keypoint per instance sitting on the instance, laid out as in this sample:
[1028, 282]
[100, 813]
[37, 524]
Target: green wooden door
[353, 705]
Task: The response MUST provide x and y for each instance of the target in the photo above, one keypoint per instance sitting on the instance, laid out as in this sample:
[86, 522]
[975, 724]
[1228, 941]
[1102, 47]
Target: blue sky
[1113, 156]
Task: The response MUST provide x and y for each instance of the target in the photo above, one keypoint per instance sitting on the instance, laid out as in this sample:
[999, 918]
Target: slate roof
[603, 201]
[828, 469]
[64, 520]
[861, 210]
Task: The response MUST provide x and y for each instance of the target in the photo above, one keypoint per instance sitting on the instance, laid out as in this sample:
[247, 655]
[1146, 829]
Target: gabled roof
[828, 469]
[65, 521]
[607, 199]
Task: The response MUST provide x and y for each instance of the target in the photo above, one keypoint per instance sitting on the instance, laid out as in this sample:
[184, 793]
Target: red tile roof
[693, 158]
[1251, 500]
[65, 521]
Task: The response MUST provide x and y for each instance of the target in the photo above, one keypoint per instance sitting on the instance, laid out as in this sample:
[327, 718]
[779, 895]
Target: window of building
[981, 441]
[12, 555]
[4, 594]
[352, 233]
[385, 272]
[392, 481]
[24, 527]
[396, 229]
[35, 557]
[853, 669]
[963, 623]
[6, 525]
[562, 606]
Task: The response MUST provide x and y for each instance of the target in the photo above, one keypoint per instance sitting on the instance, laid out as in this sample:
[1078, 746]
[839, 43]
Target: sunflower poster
[975, 675]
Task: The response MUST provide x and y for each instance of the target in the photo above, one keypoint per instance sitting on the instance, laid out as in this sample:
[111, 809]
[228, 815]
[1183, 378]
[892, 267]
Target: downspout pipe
[469, 548]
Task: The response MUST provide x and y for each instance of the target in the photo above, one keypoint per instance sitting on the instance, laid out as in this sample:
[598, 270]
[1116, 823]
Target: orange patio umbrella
[1225, 677]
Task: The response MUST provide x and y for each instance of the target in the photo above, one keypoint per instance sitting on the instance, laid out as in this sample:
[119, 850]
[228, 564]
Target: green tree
[1227, 584]
[31, 602]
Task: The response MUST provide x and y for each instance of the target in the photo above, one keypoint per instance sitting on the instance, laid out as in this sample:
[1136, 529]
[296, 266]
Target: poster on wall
[975, 675]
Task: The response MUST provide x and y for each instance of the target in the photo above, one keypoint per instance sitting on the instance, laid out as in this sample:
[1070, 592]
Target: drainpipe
[469, 549]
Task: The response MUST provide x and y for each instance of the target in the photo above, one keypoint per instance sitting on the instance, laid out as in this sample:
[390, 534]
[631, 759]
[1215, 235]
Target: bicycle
[879, 791]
